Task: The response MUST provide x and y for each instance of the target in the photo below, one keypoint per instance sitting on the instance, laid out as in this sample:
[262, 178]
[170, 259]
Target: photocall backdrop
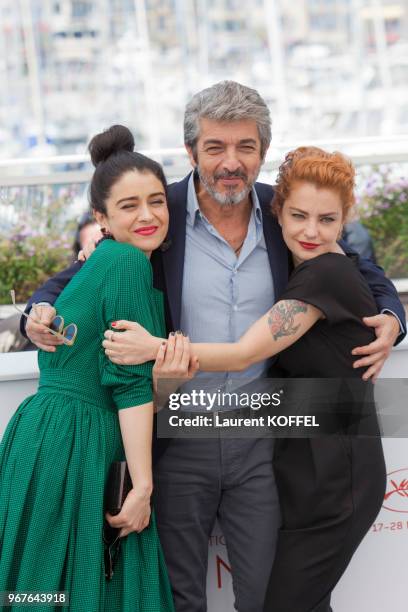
[376, 578]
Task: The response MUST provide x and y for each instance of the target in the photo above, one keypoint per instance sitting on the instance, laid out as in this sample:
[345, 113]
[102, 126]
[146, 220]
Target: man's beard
[230, 197]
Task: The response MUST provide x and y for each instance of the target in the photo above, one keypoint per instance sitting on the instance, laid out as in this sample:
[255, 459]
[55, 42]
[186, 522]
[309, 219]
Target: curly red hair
[322, 169]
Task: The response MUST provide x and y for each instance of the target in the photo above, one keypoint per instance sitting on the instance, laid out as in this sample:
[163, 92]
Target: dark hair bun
[113, 140]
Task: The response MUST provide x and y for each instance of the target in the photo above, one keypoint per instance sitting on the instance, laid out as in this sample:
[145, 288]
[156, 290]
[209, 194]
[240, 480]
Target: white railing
[23, 366]
[19, 373]
[38, 171]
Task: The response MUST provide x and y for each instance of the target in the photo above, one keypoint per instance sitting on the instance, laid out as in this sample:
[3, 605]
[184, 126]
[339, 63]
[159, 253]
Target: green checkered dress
[57, 449]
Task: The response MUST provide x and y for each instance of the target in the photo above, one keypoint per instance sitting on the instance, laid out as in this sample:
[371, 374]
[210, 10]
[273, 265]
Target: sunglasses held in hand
[67, 334]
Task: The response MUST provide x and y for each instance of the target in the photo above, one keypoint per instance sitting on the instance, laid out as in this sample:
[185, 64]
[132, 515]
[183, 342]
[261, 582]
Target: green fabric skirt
[54, 459]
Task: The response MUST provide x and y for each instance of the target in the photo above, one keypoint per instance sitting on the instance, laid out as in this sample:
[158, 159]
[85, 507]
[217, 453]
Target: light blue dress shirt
[224, 294]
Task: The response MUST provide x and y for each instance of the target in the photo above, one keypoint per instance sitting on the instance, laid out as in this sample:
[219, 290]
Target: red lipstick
[146, 231]
[308, 245]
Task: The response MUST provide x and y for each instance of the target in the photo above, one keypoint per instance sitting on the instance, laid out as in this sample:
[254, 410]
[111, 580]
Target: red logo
[221, 564]
[396, 496]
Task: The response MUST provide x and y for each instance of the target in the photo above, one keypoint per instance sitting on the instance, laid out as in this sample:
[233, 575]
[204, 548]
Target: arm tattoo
[281, 318]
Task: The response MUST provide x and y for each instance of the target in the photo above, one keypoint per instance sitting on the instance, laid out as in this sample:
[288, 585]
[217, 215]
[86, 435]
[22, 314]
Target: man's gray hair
[227, 101]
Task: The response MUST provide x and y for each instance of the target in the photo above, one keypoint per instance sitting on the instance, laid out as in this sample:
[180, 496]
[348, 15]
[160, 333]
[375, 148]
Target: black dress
[331, 487]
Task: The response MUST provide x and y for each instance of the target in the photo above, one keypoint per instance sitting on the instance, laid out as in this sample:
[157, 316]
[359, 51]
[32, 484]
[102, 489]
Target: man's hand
[88, 249]
[131, 347]
[386, 329]
[39, 320]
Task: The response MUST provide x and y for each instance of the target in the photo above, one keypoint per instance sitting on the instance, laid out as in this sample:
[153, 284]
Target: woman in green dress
[88, 412]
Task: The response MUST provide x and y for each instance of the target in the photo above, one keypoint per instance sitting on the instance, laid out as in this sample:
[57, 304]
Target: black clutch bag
[118, 485]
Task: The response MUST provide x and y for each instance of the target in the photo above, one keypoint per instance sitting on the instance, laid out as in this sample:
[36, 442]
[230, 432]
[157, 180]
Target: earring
[106, 233]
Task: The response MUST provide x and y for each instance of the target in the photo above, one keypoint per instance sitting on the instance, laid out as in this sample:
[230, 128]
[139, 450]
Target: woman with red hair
[331, 487]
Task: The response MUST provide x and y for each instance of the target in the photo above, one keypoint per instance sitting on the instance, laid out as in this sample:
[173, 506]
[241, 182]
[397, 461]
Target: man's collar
[256, 206]
[193, 209]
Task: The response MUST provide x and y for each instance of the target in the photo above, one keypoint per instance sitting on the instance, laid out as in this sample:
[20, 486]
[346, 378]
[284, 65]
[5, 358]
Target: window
[80, 8]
